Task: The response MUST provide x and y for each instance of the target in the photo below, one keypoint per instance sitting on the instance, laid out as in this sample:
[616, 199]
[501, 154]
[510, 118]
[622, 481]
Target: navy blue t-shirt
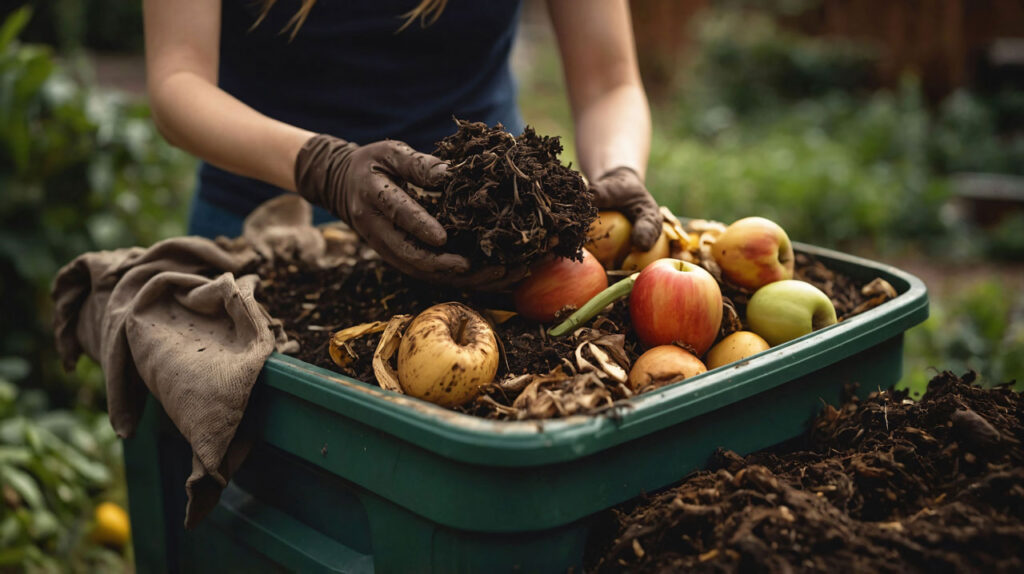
[350, 73]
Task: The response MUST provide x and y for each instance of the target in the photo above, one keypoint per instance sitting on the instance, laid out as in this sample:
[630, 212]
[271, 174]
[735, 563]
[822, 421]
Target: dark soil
[880, 485]
[314, 303]
[509, 200]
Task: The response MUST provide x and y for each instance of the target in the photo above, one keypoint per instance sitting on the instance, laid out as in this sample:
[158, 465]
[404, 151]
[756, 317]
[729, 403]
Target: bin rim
[476, 440]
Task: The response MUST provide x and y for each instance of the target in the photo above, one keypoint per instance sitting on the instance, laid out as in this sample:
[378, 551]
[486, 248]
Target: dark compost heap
[880, 485]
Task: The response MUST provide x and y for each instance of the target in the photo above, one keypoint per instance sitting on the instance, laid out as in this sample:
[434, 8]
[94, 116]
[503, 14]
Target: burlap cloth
[176, 319]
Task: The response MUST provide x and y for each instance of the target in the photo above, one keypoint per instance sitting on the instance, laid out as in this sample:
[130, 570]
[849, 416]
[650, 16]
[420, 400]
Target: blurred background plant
[56, 466]
[980, 328]
[81, 168]
[759, 108]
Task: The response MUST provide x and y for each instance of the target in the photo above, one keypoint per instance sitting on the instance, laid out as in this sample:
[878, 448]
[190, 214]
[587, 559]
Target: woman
[322, 97]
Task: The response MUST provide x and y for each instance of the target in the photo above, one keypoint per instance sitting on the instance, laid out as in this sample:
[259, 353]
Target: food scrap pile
[509, 200]
[882, 485]
[538, 376]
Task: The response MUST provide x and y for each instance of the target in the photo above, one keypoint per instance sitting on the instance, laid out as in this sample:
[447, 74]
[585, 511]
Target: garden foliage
[784, 125]
[980, 329]
[55, 465]
[81, 169]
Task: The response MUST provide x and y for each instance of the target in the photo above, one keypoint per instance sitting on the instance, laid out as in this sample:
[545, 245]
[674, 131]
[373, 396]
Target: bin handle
[289, 542]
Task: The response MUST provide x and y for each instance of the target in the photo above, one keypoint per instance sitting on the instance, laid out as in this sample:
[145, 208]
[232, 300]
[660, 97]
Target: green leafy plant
[966, 136]
[54, 465]
[746, 62]
[979, 329]
[835, 171]
[82, 169]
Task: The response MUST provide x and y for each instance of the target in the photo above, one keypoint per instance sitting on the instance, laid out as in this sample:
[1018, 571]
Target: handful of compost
[508, 200]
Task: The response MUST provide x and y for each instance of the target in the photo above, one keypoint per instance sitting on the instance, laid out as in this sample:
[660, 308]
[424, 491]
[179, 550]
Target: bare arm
[609, 105]
[182, 51]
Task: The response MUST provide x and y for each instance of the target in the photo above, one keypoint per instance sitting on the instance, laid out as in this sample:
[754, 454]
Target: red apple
[609, 238]
[754, 251]
[676, 301]
[559, 284]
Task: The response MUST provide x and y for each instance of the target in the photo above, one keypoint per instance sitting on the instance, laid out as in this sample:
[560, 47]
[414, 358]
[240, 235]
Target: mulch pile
[881, 485]
[509, 200]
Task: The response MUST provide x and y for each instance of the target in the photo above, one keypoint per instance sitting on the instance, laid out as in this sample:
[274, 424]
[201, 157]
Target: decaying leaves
[557, 394]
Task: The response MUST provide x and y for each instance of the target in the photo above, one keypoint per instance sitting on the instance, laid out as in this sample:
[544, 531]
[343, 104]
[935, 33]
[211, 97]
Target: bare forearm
[200, 118]
[613, 124]
[614, 130]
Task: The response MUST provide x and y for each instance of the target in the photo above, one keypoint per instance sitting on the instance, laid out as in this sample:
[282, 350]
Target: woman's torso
[349, 72]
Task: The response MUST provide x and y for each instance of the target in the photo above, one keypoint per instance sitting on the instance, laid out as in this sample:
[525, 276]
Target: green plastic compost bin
[347, 477]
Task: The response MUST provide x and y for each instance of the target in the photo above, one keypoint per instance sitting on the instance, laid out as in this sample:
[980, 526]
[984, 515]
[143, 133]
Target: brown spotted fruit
[447, 354]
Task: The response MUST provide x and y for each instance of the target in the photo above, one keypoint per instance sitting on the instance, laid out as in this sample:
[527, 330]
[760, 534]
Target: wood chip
[709, 555]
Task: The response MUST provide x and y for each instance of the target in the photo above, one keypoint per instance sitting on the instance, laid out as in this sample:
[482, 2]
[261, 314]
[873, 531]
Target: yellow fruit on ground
[735, 347]
[112, 526]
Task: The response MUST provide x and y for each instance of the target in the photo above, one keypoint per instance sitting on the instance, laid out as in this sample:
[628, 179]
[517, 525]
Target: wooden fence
[942, 41]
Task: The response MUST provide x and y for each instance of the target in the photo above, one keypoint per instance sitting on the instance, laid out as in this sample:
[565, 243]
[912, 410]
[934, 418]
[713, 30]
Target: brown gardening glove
[623, 190]
[364, 186]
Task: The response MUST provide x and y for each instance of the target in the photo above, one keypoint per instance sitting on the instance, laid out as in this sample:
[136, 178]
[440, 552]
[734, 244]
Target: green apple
[784, 310]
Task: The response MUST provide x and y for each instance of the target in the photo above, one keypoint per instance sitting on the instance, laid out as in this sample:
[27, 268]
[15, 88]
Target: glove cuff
[319, 170]
[620, 169]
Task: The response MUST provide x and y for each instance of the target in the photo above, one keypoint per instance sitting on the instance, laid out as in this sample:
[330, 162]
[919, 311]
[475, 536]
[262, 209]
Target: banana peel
[339, 348]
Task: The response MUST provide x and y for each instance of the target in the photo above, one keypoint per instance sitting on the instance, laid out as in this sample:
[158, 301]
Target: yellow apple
[447, 353]
[637, 260]
[609, 238]
[735, 347]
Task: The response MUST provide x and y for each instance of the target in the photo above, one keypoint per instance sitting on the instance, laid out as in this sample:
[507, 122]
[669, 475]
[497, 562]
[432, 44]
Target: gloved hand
[622, 189]
[364, 186]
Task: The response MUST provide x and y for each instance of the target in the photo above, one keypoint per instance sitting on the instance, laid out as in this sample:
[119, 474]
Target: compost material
[509, 200]
[881, 485]
[313, 302]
